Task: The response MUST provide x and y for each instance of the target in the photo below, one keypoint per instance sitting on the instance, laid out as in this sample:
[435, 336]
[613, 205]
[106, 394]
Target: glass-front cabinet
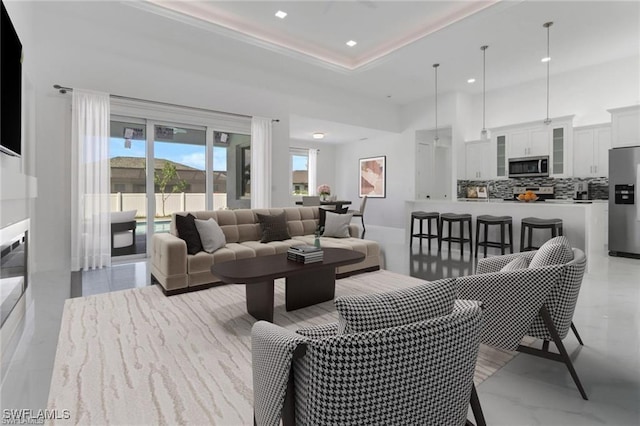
[532, 140]
[501, 156]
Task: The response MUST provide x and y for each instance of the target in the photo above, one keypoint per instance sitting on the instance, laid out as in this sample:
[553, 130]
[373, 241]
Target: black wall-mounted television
[10, 87]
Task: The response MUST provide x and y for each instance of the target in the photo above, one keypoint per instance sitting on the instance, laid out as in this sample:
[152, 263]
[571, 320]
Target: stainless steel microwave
[529, 167]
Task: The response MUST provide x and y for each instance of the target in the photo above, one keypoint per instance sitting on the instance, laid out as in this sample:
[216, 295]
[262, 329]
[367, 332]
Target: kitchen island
[584, 224]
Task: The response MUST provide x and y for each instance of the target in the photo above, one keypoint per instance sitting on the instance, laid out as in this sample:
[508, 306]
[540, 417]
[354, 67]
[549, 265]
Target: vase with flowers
[324, 191]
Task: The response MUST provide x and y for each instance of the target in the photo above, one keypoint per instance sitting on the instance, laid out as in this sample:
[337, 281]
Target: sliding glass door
[160, 167]
[179, 176]
[127, 157]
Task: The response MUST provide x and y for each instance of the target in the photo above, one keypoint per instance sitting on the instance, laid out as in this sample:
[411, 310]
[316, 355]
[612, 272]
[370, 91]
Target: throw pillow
[274, 227]
[211, 235]
[323, 214]
[515, 264]
[369, 312]
[187, 230]
[556, 251]
[337, 225]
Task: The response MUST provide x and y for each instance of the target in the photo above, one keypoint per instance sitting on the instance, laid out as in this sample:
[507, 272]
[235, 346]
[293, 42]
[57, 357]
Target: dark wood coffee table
[306, 284]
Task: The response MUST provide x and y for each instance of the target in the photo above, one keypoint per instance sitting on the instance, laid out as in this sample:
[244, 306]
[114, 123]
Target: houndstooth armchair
[529, 294]
[415, 373]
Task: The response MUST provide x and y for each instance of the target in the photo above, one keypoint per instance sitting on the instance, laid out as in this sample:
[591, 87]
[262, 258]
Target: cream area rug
[138, 357]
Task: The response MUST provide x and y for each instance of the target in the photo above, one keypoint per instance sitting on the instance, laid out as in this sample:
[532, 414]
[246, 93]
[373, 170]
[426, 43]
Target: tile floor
[528, 391]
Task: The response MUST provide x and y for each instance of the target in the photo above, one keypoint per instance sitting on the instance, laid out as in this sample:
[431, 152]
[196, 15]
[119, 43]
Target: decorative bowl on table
[528, 196]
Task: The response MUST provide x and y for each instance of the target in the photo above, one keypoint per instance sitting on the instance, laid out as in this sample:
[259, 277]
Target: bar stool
[461, 219]
[489, 220]
[421, 216]
[531, 223]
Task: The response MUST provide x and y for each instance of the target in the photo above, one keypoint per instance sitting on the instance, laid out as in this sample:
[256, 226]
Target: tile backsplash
[503, 188]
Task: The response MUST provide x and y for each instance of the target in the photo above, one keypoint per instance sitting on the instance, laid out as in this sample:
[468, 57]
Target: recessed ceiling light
[318, 135]
[351, 43]
[471, 80]
[547, 59]
[280, 14]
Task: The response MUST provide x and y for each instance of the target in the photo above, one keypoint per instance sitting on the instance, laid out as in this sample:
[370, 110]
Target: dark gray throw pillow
[186, 226]
[274, 227]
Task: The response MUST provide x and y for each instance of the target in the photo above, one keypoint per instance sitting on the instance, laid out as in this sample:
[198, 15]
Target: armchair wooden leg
[476, 408]
[575, 331]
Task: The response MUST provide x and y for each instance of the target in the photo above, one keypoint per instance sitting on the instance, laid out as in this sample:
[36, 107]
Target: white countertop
[499, 200]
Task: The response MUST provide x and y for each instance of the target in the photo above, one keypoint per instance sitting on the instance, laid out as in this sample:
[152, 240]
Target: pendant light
[484, 134]
[547, 59]
[436, 138]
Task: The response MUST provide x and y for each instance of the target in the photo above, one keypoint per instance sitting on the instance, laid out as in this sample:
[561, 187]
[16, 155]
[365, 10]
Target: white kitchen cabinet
[591, 146]
[529, 142]
[625, 126]
[477, 157]
[536, 139]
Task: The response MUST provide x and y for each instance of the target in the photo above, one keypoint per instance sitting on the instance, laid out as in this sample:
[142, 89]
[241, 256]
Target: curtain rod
[64, 90]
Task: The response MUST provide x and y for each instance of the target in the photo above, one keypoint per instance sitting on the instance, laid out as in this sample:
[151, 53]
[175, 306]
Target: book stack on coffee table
[305, 254]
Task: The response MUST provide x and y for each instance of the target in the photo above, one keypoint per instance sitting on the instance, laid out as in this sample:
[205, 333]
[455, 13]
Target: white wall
[387, 211]
[587, 93]
[103, 55]
[15, 201]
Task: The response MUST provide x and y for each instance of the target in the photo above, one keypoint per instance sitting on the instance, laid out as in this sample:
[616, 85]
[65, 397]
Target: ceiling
[399, 41]
[317, 31]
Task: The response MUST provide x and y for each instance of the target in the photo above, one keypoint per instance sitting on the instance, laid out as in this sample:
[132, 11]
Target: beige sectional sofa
[178, 272]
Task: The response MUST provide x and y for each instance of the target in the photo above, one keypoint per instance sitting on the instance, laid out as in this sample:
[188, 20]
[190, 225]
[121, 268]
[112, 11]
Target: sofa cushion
[556, 251]
[369, 312]
[187, 230]
[515, 264]
[211, 235]
[322, 214]
[337, 225]
[274, 227]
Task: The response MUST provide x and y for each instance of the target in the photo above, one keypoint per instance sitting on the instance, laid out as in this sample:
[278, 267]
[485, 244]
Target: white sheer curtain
[90, 217]
[313, 171]
[260, 163]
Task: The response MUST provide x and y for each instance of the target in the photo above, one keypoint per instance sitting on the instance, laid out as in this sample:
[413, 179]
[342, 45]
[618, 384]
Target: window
[299, 171]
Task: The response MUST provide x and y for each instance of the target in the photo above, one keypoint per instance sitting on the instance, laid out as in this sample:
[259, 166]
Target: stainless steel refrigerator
[624, 211]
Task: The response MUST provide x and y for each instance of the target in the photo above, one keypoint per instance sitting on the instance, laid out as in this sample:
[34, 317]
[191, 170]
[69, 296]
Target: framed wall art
[373, 177]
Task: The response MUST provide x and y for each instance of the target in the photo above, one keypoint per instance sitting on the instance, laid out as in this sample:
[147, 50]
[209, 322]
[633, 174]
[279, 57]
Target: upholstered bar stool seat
[451, 218]
[487, 220]
[528, 224]
[421, 216]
